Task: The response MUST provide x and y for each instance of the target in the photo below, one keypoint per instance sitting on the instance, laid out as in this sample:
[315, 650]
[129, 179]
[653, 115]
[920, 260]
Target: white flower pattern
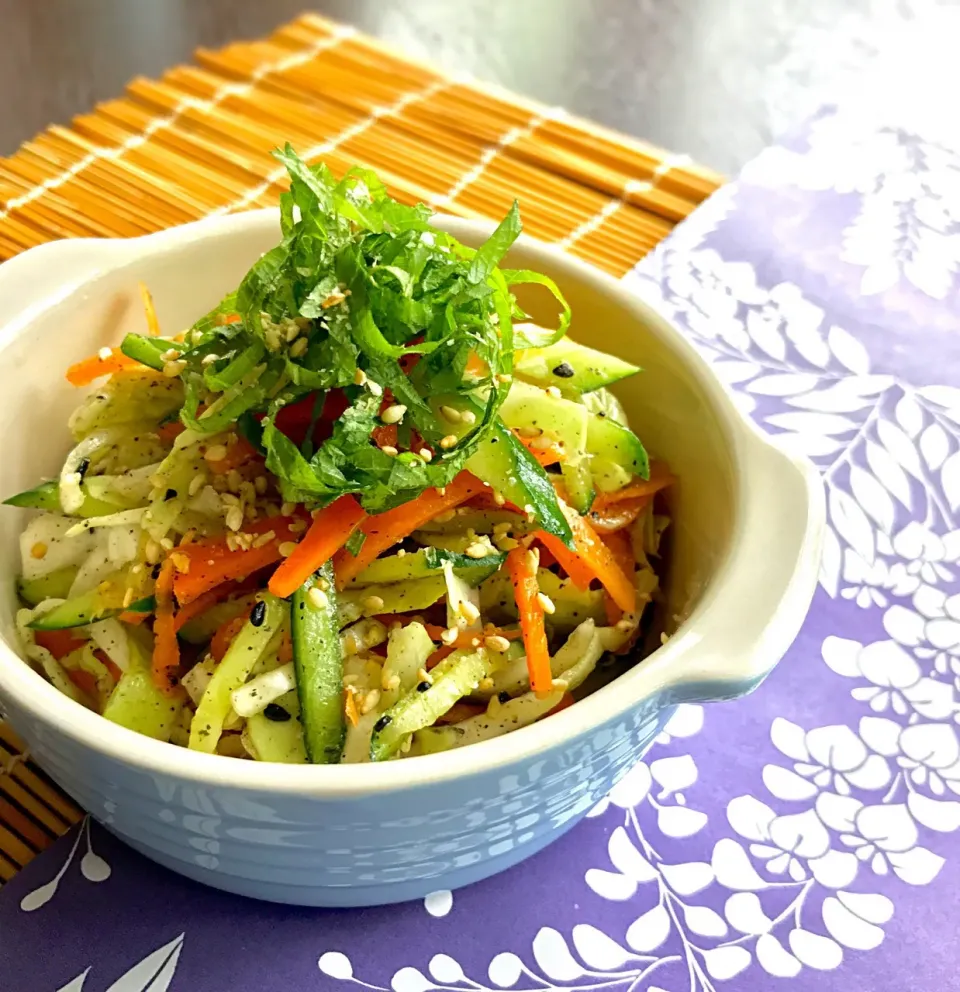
[788, 887]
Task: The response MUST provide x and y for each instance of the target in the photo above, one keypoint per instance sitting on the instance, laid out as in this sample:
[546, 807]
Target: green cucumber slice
[572, 367]
[612, 443]
[397, 597]
[455, 677]
[53, 585]
[46, 496]
[137, 704]
[280, 741]
[88, 608]
[319, 665]
[425, 563]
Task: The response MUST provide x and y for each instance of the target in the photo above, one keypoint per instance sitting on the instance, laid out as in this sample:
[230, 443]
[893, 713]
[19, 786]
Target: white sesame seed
[375, 388]
[468, 417]
[504, 377]
[449, 636]
[264, 539]
[287, 548]
[370, 700]
[486, 684]
[293, 332]
[286, 509]
[498, 497]
[318, 598]
[477, 550]
[451, 414]
[389, 449]
[127, 597]
[424, 676]
[625, 626]
[359, 377]
[402, 553]
[215, 453]
[196, 484]
[298, 527]
[260, 484]
[373, 603]
[546, 603]
[209, 359]
[170, 355]
[234, 518]
[554, 392]
[449, 441]
[497, 643]
[151, 551]
[172, 369]
[426, 454]
[393, 414]
[323, 584]
[561, 685]
[104, 353]
[298, 347]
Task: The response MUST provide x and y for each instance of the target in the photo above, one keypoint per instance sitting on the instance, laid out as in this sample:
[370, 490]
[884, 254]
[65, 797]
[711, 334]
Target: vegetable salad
[362, 510]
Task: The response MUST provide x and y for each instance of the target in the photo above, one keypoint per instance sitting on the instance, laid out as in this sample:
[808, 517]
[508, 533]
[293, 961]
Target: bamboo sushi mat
[197, 142]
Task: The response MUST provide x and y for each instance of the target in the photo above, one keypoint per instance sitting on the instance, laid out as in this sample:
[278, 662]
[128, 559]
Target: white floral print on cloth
[810, 833]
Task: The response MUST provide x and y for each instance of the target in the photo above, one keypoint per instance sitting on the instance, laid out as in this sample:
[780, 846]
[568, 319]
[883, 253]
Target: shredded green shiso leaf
[367, 282]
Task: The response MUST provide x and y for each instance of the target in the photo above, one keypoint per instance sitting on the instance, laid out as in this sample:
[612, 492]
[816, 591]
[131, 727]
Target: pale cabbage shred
[126, 465]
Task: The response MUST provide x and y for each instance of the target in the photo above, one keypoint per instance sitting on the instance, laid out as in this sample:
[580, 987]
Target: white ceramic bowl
[745, 548]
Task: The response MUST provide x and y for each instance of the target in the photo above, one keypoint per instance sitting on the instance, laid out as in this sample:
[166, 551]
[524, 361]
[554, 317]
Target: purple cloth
[808, 832]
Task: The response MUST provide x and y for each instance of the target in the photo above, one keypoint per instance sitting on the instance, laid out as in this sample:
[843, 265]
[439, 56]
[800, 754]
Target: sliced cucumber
[396, 597]
[137, 704]
[571, 367]
[611, 443]
[319, 664]
[88, 608]
[455, 677]
[480, 521]
[53, 585]
[46, 496]
[248, 646]
[279, 740]
[425, 563]
[408, 649]
[529, 408]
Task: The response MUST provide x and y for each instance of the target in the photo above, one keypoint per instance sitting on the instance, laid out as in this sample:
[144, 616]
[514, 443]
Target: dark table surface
[714, 78]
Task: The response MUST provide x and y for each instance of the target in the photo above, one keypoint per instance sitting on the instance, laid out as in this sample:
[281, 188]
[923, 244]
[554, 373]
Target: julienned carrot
[565, 701]
[224, 634]
[386, 529]
[84, 372]
[592, 560]
[169, 431]
[522, 566]
[212, 562]
[616, 516]
[58, 642]
[330, 529]
[203, 603]
[546, 452]
[238, 453]
[622, 550]
[660, 478]
[166, 649]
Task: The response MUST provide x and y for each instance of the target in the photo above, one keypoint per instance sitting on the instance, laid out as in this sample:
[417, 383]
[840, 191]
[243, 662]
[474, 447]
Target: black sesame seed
[171, 494]
[503, 697]
[259, 614]
[564, 370]
[275, 712]
[382, 723]
[155, 571]
[82, 467]
[423, 686]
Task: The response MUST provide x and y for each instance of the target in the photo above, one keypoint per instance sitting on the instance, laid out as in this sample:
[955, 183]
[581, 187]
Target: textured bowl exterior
[349, 852]
[744, 566]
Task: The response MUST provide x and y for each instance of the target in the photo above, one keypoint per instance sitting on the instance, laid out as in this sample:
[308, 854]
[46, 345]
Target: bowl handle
[759, 599]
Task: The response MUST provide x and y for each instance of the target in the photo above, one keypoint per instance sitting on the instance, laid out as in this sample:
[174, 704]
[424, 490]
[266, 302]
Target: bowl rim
[29, 690]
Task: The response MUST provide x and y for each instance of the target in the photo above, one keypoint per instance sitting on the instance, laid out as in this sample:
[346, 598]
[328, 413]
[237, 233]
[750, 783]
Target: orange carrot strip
[166, 648]
[212, 562]
[168, 432]
[85, 681]
[225, 633]
[239, 453]
[461, 710]
[660, 478]
[553, 453]
[58, 642]
[522, 566]
[616, 516]
[386, 529]
[592, 559]
[442, 652]
[350, 709]
[622, 550]
[84, 372]
[132, 618]
[476, 366]
[330, 529]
